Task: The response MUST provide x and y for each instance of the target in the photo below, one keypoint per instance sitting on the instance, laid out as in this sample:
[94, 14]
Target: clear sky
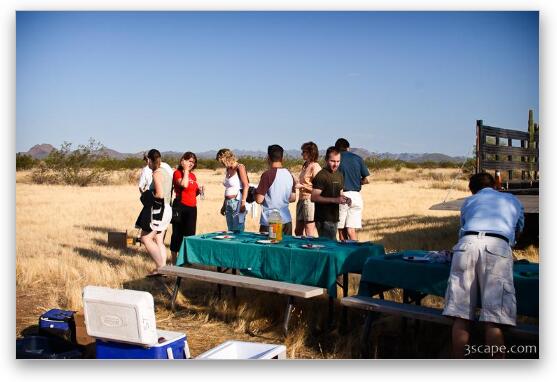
[387, 81]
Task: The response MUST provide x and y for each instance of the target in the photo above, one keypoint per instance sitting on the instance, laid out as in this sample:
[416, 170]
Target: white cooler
[120, 315]
[245, 350]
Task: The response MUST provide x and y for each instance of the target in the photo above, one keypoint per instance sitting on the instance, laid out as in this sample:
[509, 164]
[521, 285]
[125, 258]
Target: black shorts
[186, 227]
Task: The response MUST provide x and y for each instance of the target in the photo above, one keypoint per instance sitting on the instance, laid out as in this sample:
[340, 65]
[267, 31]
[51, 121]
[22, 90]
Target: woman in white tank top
[236, 186]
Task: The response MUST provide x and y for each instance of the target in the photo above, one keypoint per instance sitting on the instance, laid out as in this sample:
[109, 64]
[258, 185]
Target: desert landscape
[61, 241]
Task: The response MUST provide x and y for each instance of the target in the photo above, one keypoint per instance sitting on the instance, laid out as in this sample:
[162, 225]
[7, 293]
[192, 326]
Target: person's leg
[494, 338]
[341, 225]
[159, 239]
[309, 228]
[175, 241]
[330, 230]
[342, 235]
[299, 230]
[353, 215]
[319, 228]
[287, 228]
[190, 222]
[148, 240]
[460, 336]
[351, 234]
[229, 214]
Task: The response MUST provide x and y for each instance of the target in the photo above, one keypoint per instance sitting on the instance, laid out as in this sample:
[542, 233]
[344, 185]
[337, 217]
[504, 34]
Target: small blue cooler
[58, 323]
[172, 345]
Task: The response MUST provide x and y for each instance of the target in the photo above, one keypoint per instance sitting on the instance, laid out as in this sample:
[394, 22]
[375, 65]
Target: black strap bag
[251, 190]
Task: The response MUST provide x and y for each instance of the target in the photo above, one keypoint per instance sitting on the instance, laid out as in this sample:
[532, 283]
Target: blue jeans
[234, 218]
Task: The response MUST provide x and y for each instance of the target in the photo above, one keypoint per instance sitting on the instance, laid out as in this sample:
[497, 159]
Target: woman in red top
[186, 190]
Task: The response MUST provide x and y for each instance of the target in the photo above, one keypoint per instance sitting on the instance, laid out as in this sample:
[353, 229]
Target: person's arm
[292, 197]
[157, 179]
[520, 222]
[364, 173]
[185, 181]
[262, 188]
[242, 173]
[317, 198]
[259, 199]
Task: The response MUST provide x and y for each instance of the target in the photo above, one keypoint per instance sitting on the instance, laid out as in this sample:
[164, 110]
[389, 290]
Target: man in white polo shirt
[483, 262]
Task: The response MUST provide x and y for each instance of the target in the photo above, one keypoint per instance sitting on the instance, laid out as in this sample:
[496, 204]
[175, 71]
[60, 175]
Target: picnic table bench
[418, 279]
[288, 289]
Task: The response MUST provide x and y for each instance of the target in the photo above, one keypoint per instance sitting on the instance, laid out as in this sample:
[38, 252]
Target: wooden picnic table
[289, 260]
[419, 279]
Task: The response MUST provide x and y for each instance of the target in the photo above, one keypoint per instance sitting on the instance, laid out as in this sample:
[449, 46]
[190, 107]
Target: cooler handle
[187, 354]
[169, 353]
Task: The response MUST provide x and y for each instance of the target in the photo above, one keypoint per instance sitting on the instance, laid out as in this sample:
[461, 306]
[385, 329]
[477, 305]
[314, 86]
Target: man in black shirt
[327, 195]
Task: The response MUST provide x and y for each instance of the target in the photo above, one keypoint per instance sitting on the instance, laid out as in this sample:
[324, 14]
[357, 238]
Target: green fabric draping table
[285, 261]
[431, 278]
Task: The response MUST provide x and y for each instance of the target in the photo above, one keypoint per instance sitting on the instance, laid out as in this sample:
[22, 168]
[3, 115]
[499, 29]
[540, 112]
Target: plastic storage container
[58, 323]
[174, 345]
[245, 350]
[120, 315]
[43, 347]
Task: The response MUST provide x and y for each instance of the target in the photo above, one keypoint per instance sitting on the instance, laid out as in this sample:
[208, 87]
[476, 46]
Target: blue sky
[387, 81]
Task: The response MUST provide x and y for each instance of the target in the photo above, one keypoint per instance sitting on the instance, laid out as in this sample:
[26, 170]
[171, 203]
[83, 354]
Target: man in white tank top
[276, 190]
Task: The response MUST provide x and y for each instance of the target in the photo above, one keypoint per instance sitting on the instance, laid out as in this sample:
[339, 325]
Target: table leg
[289, 306]
[219, 287]
[175, 292]
[331, 312]
[234, 271]
[366, 340]
[344, 317]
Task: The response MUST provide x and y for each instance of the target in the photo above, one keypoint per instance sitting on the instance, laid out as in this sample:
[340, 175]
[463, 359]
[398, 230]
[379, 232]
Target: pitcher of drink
[275, 225]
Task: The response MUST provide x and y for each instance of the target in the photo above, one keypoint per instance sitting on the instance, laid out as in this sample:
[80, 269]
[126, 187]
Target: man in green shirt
[327, 195]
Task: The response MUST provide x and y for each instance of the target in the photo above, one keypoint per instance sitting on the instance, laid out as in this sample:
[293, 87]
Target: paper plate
[266, 241]
[223, 237]
[349, 242]
[312, 246]
[417, 259]
[304, 237]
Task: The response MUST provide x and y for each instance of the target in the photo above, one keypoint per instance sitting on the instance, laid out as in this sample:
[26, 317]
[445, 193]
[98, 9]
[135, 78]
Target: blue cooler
[172, 345]
[58, 323]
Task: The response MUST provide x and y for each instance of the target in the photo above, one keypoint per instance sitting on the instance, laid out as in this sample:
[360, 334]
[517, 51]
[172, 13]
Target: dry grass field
[61, 243]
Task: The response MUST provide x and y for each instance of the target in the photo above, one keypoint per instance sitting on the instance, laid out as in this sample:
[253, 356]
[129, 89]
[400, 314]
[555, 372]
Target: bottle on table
[275, 225]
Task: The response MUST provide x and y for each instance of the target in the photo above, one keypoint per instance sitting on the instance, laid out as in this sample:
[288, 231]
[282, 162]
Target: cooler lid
[120, 315]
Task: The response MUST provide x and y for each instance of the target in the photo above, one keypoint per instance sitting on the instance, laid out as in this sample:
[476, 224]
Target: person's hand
[348, 201]
[341, 199]
[298, 186]
[223, 210]
[243, 207]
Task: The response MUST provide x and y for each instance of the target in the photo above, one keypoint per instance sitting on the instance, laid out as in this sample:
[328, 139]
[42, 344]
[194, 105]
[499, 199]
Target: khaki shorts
[351, 217]
[486, 263]
[305, 209]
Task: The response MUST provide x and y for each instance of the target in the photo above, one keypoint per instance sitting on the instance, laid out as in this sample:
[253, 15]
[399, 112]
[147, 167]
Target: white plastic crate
[120, 315]
[245, 350]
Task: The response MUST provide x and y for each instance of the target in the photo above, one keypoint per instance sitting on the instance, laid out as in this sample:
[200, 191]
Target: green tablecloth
[431, 278]
[285, 261]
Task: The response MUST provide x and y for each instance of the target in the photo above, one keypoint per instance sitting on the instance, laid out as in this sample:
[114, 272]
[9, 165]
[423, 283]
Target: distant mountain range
[41, 151]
